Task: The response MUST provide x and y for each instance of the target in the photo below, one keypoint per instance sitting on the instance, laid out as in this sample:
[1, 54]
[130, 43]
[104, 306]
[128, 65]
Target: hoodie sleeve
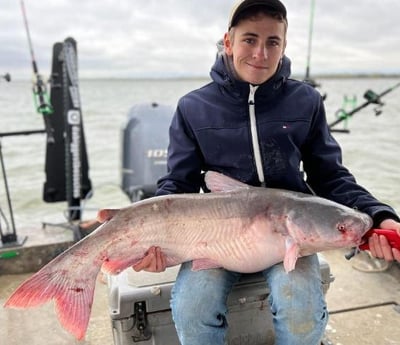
[184, 158]
[329, 178]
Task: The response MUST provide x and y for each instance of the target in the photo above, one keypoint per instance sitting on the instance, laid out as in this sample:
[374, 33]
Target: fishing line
[35, 69]
[310, 35]
[41, 98]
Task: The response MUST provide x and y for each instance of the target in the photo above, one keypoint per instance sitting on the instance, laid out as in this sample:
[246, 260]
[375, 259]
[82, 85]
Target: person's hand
[106, 214]
[379, 245]
[153, 261]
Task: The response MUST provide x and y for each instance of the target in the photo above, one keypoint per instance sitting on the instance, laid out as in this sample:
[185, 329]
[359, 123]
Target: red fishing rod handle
[391, 235]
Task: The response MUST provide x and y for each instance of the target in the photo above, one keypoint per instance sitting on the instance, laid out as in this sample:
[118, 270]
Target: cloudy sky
[176, 38]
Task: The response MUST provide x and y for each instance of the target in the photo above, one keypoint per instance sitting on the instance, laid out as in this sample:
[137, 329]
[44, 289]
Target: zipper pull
[253, 89]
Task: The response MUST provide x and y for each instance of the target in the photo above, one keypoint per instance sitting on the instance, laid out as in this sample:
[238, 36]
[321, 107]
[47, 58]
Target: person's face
[256, 47]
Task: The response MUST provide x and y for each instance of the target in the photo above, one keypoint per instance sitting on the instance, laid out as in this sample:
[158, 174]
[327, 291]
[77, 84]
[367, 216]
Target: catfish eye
[341, 227]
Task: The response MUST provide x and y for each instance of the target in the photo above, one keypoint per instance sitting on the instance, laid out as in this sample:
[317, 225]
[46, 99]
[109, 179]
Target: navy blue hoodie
[211, 130]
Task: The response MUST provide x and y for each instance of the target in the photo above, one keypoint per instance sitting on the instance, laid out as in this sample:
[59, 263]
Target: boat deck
[365, 308]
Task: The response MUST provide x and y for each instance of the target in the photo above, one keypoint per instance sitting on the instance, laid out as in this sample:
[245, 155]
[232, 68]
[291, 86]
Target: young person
[255, 124]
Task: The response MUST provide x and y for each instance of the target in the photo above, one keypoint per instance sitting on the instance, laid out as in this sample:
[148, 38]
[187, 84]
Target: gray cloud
[151, 38]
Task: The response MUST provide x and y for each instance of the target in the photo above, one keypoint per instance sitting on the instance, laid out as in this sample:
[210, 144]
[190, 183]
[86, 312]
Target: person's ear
[228, 43]
[283, 50]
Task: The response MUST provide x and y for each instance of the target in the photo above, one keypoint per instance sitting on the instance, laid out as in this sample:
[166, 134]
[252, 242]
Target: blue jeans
[297, 304]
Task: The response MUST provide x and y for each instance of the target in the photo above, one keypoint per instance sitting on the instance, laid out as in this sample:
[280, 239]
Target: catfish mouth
[362, 242]
[359, 241]
[353, 237]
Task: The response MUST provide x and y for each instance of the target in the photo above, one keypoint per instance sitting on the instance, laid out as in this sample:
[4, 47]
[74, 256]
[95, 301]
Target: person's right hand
[153, 261]
[379, 245]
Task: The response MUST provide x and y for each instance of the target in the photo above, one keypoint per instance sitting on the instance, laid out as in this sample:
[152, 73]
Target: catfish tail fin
[70, 283]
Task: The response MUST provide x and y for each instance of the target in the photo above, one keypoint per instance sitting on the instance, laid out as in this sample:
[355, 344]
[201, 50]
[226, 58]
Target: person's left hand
[379, 245]
[154, 259]
[106, 214]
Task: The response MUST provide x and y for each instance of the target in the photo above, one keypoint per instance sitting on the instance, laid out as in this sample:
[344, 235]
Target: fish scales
[240, 228]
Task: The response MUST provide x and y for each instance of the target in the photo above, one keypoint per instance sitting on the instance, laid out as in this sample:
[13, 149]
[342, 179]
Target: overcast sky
[175, 38]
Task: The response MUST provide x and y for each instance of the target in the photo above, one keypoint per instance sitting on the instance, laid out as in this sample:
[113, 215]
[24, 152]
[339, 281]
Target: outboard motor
[144, 149]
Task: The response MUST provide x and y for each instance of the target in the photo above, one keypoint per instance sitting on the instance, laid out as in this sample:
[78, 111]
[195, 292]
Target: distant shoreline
[293, 76]
[353, 75]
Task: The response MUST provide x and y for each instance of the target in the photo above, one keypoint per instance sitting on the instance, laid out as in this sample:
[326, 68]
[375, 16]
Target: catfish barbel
[237, 227]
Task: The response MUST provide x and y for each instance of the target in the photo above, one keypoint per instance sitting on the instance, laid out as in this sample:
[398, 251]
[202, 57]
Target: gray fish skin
[238, 227]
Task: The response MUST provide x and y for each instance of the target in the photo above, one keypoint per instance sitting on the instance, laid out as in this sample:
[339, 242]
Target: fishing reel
[374, 98]
[7, 77]
[371, 98]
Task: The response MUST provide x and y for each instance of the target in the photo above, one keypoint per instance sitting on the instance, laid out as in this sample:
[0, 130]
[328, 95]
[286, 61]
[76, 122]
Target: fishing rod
[371, 98]
[8, 237]
[310, 34]
[307, 78]
[41, 98]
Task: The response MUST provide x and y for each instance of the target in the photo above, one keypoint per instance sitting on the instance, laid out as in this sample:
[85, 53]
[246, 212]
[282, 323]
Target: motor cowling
[144, 149]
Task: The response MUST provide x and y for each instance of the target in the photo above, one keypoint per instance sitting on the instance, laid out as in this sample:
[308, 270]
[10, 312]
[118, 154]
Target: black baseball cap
[275, 6]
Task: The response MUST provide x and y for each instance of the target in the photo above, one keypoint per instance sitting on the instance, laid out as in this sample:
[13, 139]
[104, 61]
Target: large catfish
[237, 227]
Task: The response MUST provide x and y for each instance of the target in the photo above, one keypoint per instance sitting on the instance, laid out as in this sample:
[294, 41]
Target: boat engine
[144, 149]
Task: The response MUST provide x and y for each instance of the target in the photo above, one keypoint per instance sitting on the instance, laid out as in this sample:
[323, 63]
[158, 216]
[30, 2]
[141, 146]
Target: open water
[370, 151]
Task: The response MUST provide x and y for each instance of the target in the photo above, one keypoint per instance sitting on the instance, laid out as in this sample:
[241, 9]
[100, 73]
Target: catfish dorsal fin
[217, 182]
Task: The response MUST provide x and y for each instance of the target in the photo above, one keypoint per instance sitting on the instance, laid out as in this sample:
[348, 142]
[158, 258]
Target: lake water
[370, 151]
